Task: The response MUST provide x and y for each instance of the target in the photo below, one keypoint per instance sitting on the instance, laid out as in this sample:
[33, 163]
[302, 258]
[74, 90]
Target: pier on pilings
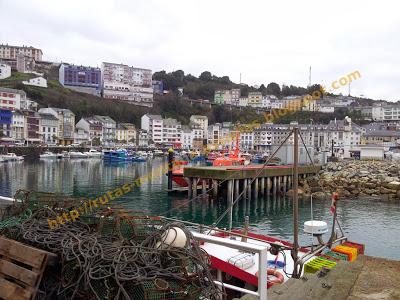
[250, 181]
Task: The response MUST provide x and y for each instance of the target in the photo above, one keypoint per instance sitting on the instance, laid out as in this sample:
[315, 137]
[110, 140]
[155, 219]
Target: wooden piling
[262, 183]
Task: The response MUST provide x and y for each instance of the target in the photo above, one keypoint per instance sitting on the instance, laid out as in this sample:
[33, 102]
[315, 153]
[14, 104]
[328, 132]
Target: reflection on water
[375, 223]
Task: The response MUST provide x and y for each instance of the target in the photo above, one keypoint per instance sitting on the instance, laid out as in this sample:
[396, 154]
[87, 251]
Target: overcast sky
[263, 40]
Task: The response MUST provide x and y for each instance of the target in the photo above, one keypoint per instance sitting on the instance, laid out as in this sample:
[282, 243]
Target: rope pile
[108, 261]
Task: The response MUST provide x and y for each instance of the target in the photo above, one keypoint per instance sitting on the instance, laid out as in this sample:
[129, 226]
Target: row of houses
[257, 100]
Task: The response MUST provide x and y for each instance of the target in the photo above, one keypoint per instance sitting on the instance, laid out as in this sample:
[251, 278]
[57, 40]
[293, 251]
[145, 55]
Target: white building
[143, 138]
[247, 140]
[385, 112]
[93, 126]
[201, 121]
[48, 128]
[66, 123]
[153, 124]
[18, 126]
[243, 101]
[277, 104]
[38, 81]
[133, 85]
[11, 98]
[81, 136]
[172, 130]
[5, 71]
[186, 138]
[108, 129]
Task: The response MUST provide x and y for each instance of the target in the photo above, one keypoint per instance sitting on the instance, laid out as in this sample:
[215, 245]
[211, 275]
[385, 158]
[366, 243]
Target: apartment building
[80, 78]
[186, 137]
[172, 130]
[228, 97]
[131, 132]
[11, 52]
[386, 112]
[109, 127]
[92, 126]
[32, 127]
[201, 121]
[342, 134]
[130, 84]
[48, 128]
[255, 99]
[153, 124]
[382, 134]
[18, 126]
[11, 98]
[66, 123]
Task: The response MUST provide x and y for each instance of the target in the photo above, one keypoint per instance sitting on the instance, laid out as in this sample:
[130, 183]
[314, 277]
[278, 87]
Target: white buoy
[315, 227]
[173, 237]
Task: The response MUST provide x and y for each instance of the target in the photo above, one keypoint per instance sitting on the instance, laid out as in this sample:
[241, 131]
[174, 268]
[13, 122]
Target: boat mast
[295, 201]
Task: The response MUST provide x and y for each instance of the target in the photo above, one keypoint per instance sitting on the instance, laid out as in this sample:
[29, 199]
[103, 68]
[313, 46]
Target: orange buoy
[278, 275]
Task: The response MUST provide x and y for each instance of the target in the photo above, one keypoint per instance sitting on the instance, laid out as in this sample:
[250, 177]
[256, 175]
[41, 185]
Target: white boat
[48, 155]
[77, 154]
[12, 157]
[63, 154]
[158, 153]
[92, 153]
[2, 159]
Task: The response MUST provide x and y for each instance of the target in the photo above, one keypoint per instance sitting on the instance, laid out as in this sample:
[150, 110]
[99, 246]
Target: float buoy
[278, 275]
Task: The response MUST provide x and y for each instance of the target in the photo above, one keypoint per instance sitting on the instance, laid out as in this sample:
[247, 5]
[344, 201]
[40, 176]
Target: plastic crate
[360, 247]
[317, 264]
[351, 252]
[337, 255]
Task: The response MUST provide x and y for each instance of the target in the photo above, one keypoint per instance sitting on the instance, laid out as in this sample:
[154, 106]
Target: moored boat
[48, 155]
[92, 153]
[12, 157]
[77, 154]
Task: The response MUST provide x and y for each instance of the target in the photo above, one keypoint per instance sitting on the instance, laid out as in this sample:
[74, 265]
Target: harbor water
[373, 222]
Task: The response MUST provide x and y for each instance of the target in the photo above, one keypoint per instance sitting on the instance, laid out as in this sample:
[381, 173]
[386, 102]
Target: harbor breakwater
[355, 179]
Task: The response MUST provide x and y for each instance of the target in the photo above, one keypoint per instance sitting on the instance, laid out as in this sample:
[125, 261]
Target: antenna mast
[309, 77]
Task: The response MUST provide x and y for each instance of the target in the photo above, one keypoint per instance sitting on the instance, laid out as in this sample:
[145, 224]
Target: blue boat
[138, 159]
[120, 155]
[107, 155]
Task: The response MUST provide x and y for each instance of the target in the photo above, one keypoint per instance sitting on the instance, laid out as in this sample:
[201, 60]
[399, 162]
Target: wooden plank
[24, 275]
[11, 291]
[28, 255]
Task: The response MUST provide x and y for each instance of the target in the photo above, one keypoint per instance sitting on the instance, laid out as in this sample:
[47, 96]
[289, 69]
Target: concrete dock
[366, 278]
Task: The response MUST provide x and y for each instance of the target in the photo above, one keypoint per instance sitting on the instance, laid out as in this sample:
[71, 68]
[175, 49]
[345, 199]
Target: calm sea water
[372, 222]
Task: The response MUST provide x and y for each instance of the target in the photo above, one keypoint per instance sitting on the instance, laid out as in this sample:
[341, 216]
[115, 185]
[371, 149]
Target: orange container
[349, 251]
[360, 247]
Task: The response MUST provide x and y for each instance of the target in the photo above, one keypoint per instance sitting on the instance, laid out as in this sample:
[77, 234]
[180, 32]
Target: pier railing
[262, 262]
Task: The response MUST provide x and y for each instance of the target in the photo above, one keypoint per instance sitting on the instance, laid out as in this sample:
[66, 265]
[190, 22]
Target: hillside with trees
[172, 104]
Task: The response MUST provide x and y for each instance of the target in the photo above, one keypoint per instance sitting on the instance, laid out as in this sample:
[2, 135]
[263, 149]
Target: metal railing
[247, 247]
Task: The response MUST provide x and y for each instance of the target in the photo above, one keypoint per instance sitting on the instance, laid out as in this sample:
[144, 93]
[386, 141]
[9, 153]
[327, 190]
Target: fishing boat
[120, 155]
[278, 260]
[48, 155]
[77, 154]
[12, 157]
[92, 153]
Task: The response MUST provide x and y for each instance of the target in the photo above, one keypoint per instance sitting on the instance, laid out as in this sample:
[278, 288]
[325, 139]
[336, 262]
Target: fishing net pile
[106, 255]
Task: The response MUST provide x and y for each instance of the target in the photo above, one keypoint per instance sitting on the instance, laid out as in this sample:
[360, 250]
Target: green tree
[273, 89]
[205, 76]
